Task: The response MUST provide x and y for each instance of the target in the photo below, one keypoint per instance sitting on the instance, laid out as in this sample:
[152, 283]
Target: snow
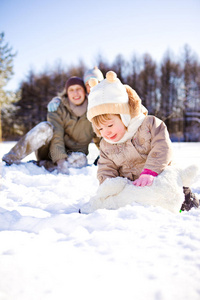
[49, 251]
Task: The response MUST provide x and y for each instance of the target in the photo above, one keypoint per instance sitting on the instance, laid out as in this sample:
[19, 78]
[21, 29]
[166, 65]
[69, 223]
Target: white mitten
[62, 166]
[77, 160]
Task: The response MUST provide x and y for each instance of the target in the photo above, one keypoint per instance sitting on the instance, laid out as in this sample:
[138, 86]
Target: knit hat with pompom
[108, 97]
[93, 73]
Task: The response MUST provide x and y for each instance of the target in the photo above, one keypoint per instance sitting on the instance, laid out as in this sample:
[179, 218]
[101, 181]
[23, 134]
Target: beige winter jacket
[71, 133]
[150, 148]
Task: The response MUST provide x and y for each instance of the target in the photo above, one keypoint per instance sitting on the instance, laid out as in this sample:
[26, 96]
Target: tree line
[169, 90]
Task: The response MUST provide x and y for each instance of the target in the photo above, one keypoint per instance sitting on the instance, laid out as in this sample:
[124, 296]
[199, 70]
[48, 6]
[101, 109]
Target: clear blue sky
[44, 32]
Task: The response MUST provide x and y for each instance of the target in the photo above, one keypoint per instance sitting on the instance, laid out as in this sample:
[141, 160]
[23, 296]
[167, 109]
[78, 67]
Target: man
[63, 140]
[91, 73]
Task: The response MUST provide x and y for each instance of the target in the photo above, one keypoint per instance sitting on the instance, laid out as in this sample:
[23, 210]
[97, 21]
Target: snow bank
[49, 251]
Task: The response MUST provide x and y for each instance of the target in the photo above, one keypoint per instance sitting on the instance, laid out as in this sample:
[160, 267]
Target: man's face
[76, 94]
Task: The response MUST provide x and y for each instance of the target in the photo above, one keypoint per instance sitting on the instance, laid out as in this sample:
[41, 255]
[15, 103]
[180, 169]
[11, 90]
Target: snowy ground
[48, 251]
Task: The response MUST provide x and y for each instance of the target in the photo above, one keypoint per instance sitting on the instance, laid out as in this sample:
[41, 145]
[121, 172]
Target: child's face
[113, 129]
[87, 86]
[76, 94]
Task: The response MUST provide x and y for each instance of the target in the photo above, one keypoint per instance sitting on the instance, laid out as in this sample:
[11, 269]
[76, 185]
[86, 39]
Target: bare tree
[134, 68]
[148, 80]
[170, 101]
[191, 110]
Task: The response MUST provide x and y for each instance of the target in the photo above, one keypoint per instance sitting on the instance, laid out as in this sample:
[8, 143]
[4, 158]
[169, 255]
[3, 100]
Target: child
[134, 145]
[92, 73]
[62, 141]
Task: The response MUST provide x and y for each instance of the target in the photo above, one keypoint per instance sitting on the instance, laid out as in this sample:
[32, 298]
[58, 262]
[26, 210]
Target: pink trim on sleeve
[149, 172]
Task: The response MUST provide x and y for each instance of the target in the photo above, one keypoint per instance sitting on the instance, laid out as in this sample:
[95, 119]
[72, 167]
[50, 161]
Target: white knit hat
[93, 73]
[108, 97]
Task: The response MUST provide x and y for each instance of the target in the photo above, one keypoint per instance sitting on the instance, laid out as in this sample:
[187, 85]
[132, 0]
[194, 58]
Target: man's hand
[62, 166]
[53, 104]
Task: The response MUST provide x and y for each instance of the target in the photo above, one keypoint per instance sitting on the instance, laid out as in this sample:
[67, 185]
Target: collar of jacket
[77, 110]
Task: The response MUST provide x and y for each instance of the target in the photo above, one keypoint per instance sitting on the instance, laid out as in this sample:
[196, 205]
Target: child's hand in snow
[143, 180]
